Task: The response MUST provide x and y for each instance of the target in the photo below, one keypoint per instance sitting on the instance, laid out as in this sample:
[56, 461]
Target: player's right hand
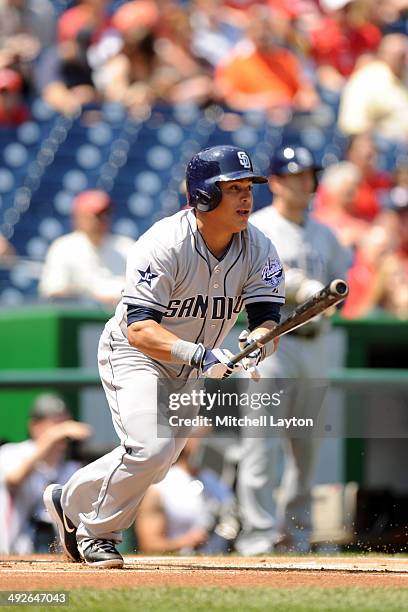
[215, 363]
[250, 362]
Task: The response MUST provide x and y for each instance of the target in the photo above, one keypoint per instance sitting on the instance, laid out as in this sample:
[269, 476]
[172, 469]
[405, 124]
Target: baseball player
[187, 279]
[311, 257]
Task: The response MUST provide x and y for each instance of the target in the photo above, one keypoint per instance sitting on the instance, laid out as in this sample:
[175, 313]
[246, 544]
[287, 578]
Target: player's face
[294, 189]
[233, 212]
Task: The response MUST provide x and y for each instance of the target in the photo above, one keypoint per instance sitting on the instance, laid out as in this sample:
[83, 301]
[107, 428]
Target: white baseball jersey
[198, 296]
[75, 267]
[171, 270]
[314, 250]
[311, 247]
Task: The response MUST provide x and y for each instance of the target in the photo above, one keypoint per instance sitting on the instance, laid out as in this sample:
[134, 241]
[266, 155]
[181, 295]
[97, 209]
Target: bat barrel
[332, 294]
[339, 287]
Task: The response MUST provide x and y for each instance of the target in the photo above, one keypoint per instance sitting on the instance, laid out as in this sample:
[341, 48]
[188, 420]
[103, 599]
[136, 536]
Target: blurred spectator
[7, 250]
[398, 195]
[400, 208]
[13, 111]
[261, 74]
[393, 291]
[338, 40]
[376, 96]
[90, 262]
[128, 76]
[89, 25]
[64, 74]
[27, 468]
[179, 513]
[395, 296]
[149, 68]
[391, 16]
[26, 27]
[183, 75]
[63, 78]
[374, 185]
[86, 21]
[215, 29]
[367, 278]
[335, 201]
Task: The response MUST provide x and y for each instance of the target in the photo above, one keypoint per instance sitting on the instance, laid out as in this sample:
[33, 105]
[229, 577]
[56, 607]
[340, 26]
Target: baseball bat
[334, 293]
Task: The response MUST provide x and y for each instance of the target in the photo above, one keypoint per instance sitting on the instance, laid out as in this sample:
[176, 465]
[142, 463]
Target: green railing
[87, 377]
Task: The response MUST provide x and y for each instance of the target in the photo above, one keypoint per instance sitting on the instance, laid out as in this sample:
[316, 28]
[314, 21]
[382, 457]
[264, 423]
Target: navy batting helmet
[214, 165]
[291, 160]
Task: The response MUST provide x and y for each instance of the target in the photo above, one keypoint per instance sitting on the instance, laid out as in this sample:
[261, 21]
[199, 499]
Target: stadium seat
[48, 160]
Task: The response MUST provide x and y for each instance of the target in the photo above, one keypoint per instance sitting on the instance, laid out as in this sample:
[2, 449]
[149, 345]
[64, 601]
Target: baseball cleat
[66, 529]
[100, 553]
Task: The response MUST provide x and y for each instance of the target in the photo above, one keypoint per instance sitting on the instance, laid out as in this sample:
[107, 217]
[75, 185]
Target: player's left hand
[250, 362]
[216, 363]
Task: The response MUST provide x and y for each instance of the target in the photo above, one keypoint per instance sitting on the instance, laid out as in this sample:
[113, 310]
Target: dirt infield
[53, 572]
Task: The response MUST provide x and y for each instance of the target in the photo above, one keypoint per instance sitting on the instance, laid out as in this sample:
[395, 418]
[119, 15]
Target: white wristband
[183, 351]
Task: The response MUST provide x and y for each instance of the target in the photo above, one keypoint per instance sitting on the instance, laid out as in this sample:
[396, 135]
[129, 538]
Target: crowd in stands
[278, 57]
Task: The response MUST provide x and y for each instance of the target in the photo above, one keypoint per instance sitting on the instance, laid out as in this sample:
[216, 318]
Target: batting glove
[250, 362]
[214, 363]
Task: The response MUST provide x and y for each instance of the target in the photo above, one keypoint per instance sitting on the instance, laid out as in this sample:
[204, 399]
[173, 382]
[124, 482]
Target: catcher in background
[312, 257]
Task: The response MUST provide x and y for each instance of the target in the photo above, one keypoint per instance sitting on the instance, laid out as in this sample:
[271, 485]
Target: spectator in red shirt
[339, 39]
[13, 111]
[367, 278]
[374, 184]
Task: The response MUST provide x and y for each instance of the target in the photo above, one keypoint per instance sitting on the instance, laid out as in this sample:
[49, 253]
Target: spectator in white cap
[88, 263]
[28, 467]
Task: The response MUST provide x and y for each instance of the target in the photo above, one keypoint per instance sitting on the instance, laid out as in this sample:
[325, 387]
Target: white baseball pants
[102, 498]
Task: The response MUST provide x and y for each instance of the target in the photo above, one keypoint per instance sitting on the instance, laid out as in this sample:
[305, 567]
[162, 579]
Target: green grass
[209, 599]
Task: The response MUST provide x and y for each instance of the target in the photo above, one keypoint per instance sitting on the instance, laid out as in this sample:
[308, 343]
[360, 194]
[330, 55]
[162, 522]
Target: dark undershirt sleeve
[262, 311]
[140, 313]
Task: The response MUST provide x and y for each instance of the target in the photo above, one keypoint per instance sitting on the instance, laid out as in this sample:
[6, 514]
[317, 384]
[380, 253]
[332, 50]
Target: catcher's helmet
[214, 165]
[291, 160]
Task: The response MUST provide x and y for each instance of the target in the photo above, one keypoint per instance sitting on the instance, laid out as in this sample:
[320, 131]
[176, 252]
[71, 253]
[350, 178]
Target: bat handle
[250, 348]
